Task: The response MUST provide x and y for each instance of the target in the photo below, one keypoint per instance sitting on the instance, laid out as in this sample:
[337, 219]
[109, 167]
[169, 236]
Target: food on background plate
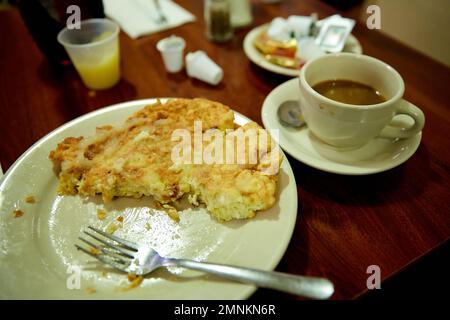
[135, 160]
[281, 53]
[291, 42]
[279, 42]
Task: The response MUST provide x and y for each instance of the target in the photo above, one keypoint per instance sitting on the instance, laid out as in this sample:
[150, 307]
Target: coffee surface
[350, 92]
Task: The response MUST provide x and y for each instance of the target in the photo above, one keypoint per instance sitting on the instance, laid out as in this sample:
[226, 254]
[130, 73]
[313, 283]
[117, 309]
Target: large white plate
[37, 250]
[376, 156]
[352, 46]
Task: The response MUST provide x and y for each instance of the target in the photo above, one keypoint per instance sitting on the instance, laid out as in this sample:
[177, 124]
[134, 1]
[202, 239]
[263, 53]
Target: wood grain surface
[344, 223]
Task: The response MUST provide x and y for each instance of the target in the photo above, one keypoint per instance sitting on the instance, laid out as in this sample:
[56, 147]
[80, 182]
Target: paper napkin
[138, 17]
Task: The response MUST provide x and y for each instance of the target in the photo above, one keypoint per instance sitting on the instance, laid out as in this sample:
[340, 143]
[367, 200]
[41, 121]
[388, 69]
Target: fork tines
[115, 252]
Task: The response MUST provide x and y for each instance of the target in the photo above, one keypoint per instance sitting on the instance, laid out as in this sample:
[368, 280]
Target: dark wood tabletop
[345, 224]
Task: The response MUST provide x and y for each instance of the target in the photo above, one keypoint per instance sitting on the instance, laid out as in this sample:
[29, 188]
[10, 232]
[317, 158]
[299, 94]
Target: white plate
[376, 156]
[256, 57]
[37, 249]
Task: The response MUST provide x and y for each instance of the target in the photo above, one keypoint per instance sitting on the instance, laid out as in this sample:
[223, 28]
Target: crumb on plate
[18, 213]
[101, 214]
[95, 251]
[111, 228]
[90, 290]
[119, 218]
[135, 281]
[30, 199]
[172, 212]
[158, 205]
[131, 277]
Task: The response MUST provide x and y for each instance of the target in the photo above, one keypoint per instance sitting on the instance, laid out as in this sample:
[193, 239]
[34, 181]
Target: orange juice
[101, 75]
[95, 52]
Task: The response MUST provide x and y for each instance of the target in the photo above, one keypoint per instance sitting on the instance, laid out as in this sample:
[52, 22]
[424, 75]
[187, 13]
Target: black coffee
[350, 92]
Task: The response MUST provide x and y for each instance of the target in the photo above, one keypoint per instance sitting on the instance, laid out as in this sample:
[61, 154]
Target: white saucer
[352, 46]
[376, 156]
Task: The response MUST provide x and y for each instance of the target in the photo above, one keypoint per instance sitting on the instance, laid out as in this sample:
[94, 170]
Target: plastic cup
[94, 51]
[301, 25]
[200, 66]
[308, 49]
[171, 49]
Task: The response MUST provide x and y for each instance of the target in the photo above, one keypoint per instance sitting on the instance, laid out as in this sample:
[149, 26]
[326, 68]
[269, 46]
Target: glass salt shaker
[218, 20]
[241, 13]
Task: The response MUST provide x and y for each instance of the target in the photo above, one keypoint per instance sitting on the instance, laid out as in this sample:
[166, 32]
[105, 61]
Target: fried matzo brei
[134, 160]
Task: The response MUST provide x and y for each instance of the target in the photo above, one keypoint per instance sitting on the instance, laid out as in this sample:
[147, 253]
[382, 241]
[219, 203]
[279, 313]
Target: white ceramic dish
[37, 253]
[376, 156]
[352, 46]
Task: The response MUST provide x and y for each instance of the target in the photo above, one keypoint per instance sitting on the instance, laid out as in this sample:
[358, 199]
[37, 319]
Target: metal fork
[161, 17]
[129, 257]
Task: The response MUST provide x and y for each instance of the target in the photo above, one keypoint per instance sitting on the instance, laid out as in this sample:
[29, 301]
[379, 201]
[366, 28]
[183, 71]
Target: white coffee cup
[349, 126]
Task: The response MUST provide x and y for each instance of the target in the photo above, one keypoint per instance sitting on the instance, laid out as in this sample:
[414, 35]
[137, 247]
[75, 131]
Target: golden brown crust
[135, 160]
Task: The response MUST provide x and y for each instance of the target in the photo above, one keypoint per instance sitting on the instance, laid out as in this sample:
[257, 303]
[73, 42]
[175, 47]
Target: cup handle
[407, 108]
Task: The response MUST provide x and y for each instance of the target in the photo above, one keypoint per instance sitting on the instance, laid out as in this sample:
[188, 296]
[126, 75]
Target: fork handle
[310, 287]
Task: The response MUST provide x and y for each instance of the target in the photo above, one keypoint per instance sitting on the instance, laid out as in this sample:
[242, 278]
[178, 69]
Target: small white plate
[376, 156]
[352, 46]
[37, 253]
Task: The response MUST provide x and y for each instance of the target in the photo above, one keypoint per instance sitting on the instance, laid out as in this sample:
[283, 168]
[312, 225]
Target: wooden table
[344, 223]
